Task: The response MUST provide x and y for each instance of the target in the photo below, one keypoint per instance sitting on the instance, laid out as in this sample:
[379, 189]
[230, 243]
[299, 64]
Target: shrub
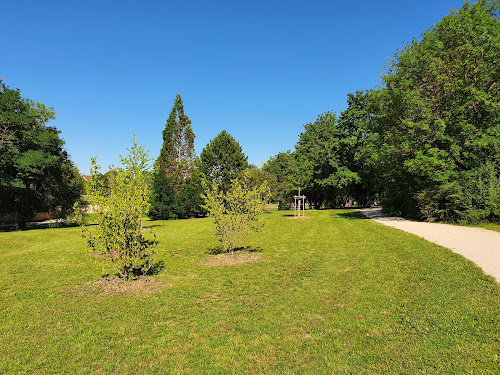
[236, 212]
[118, 213]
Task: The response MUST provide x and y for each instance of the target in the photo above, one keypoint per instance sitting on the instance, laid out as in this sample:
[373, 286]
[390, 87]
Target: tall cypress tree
[177, 153]
[176, 189]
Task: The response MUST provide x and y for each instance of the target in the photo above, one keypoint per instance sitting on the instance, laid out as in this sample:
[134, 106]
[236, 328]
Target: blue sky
[257, 69]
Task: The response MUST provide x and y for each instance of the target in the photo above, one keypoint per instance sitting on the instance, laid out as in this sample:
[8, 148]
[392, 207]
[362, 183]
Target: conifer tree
[176, 190]
[222, 160]
[177, 153]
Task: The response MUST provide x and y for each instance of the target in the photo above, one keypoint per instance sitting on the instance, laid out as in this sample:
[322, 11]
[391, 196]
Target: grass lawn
[495, 227]
[334, 293]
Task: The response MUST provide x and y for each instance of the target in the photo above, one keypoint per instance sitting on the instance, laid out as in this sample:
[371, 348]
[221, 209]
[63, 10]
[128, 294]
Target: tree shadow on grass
[156, 268]
[248, 249]
[356, 215]
[34, 226]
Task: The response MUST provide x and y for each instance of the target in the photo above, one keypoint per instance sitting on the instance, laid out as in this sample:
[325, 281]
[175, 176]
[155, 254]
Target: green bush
[118, 235]
[473, 198]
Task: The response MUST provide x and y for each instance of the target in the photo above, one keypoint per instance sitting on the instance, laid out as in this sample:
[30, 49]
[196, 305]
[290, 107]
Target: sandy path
[476, 244]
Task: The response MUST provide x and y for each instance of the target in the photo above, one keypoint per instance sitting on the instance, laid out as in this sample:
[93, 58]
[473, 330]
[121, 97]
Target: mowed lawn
[334, 293]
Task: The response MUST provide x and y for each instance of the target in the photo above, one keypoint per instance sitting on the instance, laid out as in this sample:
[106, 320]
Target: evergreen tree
[177, 153]
[176, 189]
[222, 160]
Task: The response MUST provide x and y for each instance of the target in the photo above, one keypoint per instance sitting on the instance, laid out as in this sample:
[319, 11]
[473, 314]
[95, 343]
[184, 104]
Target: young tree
[222, 160]
[236, 212]
[36, 173]
[118, 236]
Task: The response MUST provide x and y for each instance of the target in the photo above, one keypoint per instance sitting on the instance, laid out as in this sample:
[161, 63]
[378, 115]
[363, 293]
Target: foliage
[322, 159]
[257, 176]
[283, 166]
[176, 190]
[177, 152]
[428, 142]
[236, 212]
[36, 174]
[222, 160]
[169, 200]
[473, 198]
[118, 236]
[438, 116]
[359, 148]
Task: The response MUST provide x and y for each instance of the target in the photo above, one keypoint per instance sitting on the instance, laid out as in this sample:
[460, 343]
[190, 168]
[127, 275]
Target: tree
[438, 117]
[118, 236]
[177, 152]
[322, 159]
[176, 190]
[236, 212]
[222, 160]
[283, 166]
[36, 173]
[359, 151]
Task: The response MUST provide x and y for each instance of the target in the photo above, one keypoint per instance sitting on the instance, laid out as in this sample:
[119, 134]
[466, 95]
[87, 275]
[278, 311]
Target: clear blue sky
[258, 69]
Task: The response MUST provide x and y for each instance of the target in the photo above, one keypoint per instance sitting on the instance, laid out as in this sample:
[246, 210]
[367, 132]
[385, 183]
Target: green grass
[495, 227]
[334, 293]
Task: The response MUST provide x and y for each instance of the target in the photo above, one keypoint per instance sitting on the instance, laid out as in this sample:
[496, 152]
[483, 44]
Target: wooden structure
[300, 200]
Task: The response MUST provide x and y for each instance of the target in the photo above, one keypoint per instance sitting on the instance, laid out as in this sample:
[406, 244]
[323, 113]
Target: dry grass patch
[233, 259]
[299, 217]
[115, 285]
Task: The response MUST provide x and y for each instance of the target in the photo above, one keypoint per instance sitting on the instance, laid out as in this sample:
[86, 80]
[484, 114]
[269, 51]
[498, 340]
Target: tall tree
[283, 166]
[359, 151]
[222, 160]
[438, 119]
[176, 189]
[36, 173]
[322, 159]
[177, 152]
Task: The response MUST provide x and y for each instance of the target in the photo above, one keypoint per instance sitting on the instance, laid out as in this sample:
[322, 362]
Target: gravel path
[476, 244]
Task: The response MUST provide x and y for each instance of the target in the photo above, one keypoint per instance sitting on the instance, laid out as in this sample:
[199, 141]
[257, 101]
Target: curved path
[476, 244]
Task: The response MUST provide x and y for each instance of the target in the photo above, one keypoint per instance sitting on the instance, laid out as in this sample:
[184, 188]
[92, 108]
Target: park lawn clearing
[335, 293]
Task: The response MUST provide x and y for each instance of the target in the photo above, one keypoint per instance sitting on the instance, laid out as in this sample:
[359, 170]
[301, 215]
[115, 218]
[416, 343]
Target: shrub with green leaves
[118, 236]
[236, 212]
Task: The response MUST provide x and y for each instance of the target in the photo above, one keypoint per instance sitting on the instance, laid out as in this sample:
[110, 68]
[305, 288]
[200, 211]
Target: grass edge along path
[334, 293]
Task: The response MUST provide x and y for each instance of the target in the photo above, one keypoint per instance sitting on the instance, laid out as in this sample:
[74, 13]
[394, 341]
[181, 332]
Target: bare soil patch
[299, 217]
[115, 285]
[233, 259]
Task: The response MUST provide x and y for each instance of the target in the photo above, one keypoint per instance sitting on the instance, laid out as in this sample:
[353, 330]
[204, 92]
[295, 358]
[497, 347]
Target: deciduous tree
[236, 212]
[36, 173]
[118, 236]
[438, 116]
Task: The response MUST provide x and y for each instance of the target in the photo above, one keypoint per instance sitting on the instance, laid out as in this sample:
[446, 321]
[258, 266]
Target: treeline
[427, 144]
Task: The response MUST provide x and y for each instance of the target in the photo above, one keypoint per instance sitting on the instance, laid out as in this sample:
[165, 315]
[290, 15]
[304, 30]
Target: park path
[476, 244]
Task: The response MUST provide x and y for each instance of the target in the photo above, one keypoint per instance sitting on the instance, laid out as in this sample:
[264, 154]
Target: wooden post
[300, 202]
